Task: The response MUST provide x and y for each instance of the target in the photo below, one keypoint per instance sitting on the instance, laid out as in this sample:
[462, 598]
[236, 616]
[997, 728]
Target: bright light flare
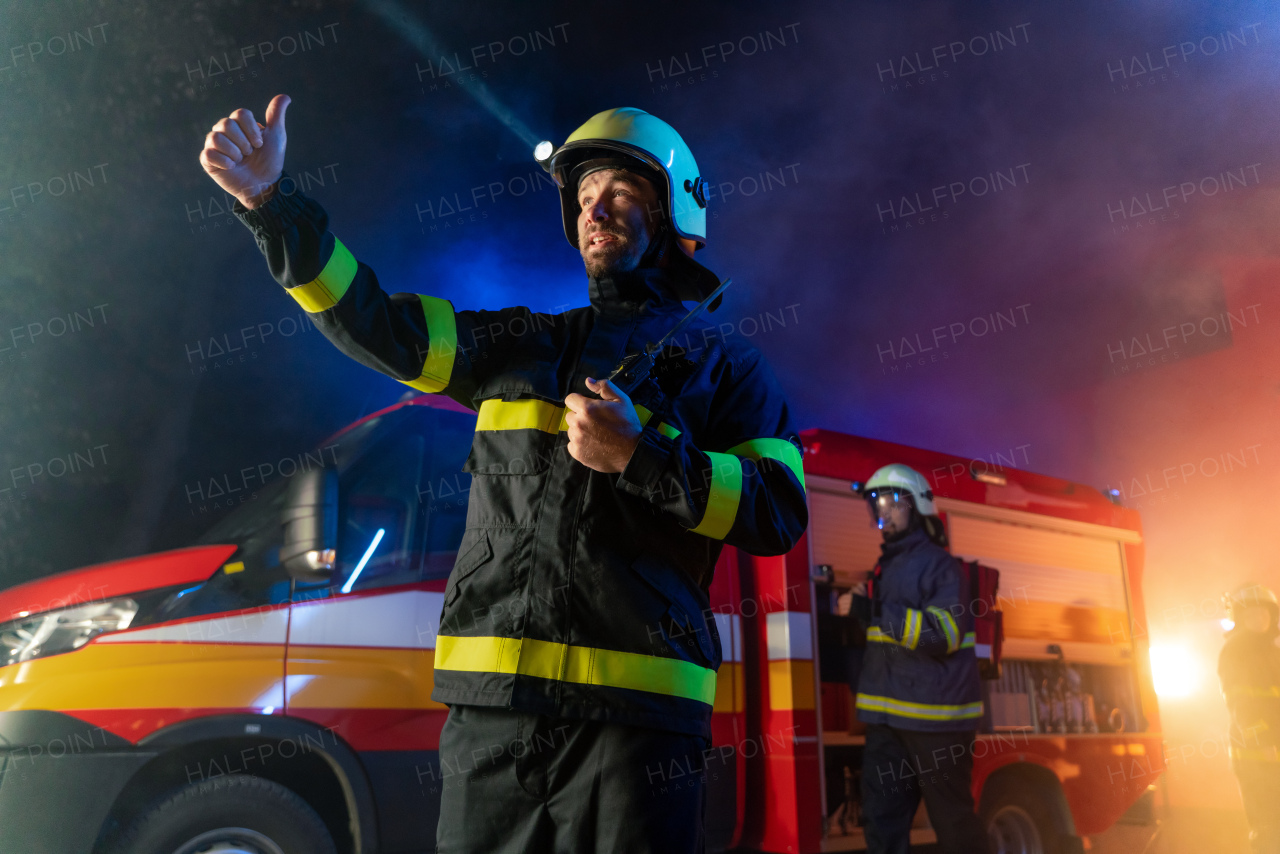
[368, 553]
[543, 150]
[1227, 624]
[1175, 671]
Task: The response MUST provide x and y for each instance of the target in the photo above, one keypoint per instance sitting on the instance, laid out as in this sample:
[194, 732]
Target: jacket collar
[911, 540]
[640, 291]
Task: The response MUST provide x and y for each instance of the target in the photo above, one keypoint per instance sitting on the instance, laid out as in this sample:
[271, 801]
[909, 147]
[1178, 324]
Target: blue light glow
[368, 553]
[413, 31]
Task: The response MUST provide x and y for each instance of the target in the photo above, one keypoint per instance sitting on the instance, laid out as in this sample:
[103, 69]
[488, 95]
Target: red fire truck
[235, 696]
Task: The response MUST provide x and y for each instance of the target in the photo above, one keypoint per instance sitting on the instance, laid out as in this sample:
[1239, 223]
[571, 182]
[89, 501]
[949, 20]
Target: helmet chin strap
[657, 248]
[685, 285]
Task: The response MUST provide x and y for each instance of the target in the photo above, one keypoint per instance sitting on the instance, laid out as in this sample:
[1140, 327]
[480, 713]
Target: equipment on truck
[988, 623]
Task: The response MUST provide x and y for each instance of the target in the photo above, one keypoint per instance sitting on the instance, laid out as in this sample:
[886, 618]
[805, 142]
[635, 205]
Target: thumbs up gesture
[246, 158]
[603, 433]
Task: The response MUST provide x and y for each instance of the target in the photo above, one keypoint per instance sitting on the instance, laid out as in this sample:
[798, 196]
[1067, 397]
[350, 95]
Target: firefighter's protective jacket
[1249, 672]
[575, 593]
[919, 671]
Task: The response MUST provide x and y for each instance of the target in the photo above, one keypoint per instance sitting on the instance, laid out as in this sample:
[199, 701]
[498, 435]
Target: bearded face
[615, 223]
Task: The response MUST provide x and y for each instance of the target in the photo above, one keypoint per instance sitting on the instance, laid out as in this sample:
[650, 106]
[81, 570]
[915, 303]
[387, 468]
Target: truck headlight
[62, 631]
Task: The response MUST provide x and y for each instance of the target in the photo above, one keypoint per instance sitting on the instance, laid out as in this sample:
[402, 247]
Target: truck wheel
[1020, 820]
[236, 814]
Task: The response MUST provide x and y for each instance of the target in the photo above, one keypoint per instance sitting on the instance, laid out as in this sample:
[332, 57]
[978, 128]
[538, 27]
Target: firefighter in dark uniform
[1249, 670]
[918, 691]
[576, 650]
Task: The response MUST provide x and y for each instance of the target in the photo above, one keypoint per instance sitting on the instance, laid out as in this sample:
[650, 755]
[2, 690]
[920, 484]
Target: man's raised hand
[602, 433]
[246, 158]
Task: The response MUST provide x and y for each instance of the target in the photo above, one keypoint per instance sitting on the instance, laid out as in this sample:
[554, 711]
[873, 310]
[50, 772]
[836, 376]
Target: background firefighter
[918, 690]
[1249, 671]
[611, 507]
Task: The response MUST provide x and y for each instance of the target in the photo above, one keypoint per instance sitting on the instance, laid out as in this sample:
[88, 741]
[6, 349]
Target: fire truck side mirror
[310, 522]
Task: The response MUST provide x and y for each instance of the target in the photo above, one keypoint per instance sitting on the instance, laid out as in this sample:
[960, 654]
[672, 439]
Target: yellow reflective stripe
[876, 635]
[324, 291]
[919, 711]
[1252, 691]
[949, 627]
[773, 449]
[644, 414]
[520, 415]
[911, 628]
[477, 655]
[1265, 754]
[726, 492]
[578, 664]
[442, 345]
[541, 415]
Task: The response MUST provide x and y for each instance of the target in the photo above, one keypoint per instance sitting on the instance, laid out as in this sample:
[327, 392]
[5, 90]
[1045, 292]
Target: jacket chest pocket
[515, 435]
[677, 614]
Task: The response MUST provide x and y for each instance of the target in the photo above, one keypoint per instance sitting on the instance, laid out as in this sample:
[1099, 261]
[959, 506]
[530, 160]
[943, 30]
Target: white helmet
[898, 477]
[1249, 595]
[628, 138]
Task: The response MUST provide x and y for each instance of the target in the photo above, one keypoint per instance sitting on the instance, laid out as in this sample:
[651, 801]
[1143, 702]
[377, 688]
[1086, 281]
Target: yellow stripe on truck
[338, 677]
[791, 684]
[148, 676]
[730, 691]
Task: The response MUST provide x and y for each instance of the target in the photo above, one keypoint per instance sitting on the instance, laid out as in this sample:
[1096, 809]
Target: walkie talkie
[636, 367]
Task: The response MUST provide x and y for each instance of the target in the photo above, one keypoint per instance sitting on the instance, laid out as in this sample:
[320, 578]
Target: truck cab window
[380, 540]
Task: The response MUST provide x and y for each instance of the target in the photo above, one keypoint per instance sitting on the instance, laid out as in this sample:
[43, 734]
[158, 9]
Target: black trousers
[898, 768]
[1260, 791]
[520, 783]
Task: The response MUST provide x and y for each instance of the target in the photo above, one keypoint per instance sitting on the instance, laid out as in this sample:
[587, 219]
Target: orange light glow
[1176, 672]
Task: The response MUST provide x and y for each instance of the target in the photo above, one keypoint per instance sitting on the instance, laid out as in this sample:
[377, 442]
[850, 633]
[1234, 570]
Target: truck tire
[238, 813]
[1020, 819]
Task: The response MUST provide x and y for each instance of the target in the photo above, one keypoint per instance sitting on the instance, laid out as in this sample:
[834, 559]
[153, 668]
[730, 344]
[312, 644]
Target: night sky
[962, 226]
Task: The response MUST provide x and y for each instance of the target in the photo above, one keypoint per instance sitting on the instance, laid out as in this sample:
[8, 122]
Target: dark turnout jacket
[575, 593]
[1249, 672]
[919, 671]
